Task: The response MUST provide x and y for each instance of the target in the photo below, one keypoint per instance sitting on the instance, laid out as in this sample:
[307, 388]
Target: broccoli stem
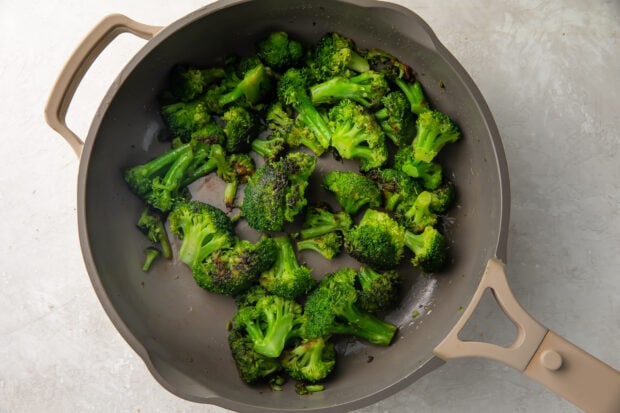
[230, 192]
[358, 63]
[366, 326]
[317, 231]
[194, 249]
[268, 148]
[205, 169]
[337, 88]
[314, 121]
[367, 276]
[420, 208]
[415, 242]
[151, 254]
[139, 177]
[415, 95]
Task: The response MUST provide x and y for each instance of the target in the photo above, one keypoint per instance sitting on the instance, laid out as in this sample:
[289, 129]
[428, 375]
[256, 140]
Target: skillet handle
[537, 352]
[76, 67]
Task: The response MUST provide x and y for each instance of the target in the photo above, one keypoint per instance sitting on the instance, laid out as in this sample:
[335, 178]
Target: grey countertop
[549, 72]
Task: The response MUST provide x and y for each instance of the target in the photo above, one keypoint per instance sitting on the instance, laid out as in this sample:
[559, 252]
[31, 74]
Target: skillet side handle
[537, 352]
[76, 67]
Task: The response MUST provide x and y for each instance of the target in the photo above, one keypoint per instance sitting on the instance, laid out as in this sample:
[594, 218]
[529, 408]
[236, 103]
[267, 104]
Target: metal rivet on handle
[551, 360]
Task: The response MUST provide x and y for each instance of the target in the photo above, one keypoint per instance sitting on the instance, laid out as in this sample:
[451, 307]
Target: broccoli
[250, 296]
[152, 224]
[434, 130]
[418, 215]
[254, 83]
[287, 278]
[251, 366]
[378, 241]
[388, 64]
[188, 82]
[320, 220]
[336, 55]
[379, 292]
[275, 194]
[415, 95]
[429, 173]
[303, 389]
[442, 198]
[396, 186]
[356, 134]
[367, 89]
[241, 128]
[202, 228]
[328, 245]
[167, 190]
[331, 309]
[310, 361]
[270, 323]
[395, 118]
[269, 148]
[185, 118]
[209, 133]
[279, 51]
[232, 271]
[292, 92]
[352, 190]
[151, 253]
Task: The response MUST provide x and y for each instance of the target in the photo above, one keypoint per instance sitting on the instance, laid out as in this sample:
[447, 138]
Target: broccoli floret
[202, 228]
[189, 82]
[292, 92]
[434, 131]
[388, 64]
[232, 271]
[269, 148]
[251, 366]
[320, 220]
[429, 173]
[418, 215]
[429, 249]
[287, 278]
[396, 186]
[443, 198]
[241, 128]
[367, 89]
[185, 118]
[379, 292]
[396, 120]
[270, 323]
[356, 134]
[151, 253]
[352, 190]
[331, 309]
[254, 84]
[167, 190]
[377, 241]
[415, 95]
[279, 119]
[140, 178]
[152, 224]
[302, 388]
[328, 245]
[275, 194]
[292, 130]
[310, 361]
[336, 55]
[251, 295]
[279, 51]
[210, 133]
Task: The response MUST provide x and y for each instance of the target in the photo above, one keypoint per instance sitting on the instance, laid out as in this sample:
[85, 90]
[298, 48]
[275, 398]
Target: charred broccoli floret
[292, 130]
[269, 148]
[379, 291]
[152, 225]
[396, 120]
[251, 366]
[429, 249]
[241, 128]
[396, 186]
[352, 190]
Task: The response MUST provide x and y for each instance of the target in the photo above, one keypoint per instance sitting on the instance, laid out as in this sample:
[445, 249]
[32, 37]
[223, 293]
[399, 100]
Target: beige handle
[537, 352]
[76, 67]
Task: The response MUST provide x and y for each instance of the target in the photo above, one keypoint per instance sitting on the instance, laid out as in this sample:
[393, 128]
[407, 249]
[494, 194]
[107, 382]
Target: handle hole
[489, 323]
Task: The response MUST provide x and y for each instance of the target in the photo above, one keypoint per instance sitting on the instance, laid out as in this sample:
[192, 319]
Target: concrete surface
[549, 71]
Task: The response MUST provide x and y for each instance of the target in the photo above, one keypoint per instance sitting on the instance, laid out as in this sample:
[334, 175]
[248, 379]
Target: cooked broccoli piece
[396, 120]
[151, 254]
[396, 186]
[443, 198]
[232, 271]
[275, 194]
[152, 224]
[320, 220]
[303, 389]
[292, 92]
[310, 361]
[241, 128]
[434, 130]
[185, 118]
[279, 51]
[429, 173]
[189, 82]
[429, 249]
[269, 148]
[418, 215]
[210, 133]
[388, 64]
[378, 241]
[167, 190]
[328, 245]
[367, 89]
[279, 119]
[415, 95]
[379, 292]
[336, 55]
[202, 228]
[356, 134]
[287, 278]
[352, 190]
[270, 323]
[251, 366]
[331, 308]
[251, 295]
